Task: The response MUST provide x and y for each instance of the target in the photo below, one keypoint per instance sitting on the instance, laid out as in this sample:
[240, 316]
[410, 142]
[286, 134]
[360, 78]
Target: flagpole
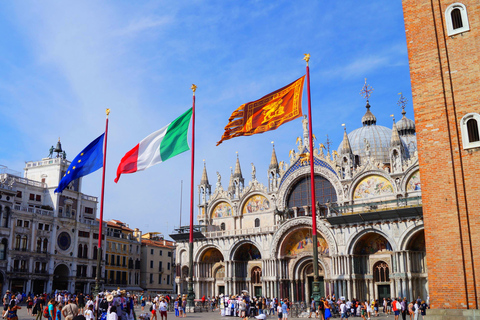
[99, 250]
[191, 294]
[316, 283]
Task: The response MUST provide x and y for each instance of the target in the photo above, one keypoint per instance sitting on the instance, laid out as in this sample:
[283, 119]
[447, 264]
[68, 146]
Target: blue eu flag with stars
[86, 162]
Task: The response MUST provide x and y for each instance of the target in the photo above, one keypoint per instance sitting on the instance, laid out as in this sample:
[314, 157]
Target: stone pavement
[22, 315]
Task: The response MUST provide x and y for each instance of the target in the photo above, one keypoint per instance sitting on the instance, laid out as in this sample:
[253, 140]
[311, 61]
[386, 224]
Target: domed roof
[405, 126]
[378, 138]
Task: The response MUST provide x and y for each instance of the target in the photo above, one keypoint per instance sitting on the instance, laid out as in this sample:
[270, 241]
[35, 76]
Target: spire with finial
[368, 119]
[204, 180]
[273, 162]
[204, 188]
[395, 141]
[231, 187]
[405, 126]
[346, 148]
[238, 171]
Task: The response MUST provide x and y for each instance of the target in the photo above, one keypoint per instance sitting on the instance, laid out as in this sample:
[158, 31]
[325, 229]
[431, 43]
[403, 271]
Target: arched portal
[207, 266]
[60, 277]
[183, 285]
[372, 257]
[418, 263]
[246, 258]
[304, 276]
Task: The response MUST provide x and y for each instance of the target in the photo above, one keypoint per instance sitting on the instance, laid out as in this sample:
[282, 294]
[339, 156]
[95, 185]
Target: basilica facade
[371, 243]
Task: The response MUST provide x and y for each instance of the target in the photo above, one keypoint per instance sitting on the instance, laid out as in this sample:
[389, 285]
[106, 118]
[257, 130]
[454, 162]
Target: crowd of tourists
[114, 305]
[120, 304]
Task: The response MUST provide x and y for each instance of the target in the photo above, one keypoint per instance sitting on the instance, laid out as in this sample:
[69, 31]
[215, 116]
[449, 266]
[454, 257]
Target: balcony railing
[89, 198]
[235, 232]
[23, 180]
[377, 206]
[42, 212]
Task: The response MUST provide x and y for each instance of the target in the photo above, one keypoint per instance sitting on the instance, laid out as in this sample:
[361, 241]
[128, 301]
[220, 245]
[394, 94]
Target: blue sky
[62, 63]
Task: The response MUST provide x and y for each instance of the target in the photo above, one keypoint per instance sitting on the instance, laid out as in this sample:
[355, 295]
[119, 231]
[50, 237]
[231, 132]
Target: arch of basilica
[369, 218]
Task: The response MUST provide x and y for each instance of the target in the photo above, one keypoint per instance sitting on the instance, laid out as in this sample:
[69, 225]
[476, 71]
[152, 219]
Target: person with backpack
[70, 310]
[50, 311]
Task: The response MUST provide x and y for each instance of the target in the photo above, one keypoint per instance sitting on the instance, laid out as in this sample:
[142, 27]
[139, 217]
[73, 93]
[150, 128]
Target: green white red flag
[159, 146]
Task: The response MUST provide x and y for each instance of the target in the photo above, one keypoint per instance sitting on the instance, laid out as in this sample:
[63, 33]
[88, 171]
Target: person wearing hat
[102, 306]
[6, 300]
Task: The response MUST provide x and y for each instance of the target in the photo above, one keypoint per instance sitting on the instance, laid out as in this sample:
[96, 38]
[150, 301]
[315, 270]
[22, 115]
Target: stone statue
[367, 146]
[51, 152]
[281, 167]
[254, 172]
[64, 155]
[219, 180]
[397, 182]
[305, 123]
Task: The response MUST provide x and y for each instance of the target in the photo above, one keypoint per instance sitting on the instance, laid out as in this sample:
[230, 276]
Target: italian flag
[157, 147]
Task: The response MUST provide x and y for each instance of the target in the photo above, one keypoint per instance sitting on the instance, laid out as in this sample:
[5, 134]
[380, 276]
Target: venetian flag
[159, 146]
[266, 113]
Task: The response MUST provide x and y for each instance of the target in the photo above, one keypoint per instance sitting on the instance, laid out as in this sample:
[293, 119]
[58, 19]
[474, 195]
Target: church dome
[378, 138]
[405, 126]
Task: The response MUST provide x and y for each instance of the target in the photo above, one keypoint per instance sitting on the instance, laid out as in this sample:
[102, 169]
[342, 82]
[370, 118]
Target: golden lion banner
[267, 113]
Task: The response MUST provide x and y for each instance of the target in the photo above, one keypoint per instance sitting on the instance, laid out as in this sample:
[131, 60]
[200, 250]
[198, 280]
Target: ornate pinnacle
[194, 88]
[307, 57]
[366, 91]
[402, 102]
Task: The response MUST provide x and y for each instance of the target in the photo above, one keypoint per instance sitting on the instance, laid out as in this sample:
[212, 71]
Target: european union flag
[87, 161]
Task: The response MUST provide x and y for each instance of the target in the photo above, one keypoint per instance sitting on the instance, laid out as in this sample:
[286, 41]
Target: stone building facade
[157, 267]
[369, 219]
[443, 40]
[48, 240]
[122, 259]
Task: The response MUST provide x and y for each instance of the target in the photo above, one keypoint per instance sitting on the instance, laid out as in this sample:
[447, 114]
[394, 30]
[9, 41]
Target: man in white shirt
[163, 308]
[343, 310]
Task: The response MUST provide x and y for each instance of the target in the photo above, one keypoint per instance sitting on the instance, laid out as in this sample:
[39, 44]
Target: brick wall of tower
[445, 78]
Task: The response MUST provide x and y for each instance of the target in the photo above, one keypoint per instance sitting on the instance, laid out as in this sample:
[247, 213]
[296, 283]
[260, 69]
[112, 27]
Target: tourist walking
[12, 310]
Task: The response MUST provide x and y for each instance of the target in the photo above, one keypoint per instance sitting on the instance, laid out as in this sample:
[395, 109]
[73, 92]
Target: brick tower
[443, 39]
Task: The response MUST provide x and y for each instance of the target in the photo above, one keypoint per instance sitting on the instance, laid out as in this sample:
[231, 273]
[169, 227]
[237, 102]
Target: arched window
[470, 130]
[222, 226]
[257, 223]
[5, 217]
[3, 249]
[45, 245]
[381, 272]
[24, 243]
[85, 251]
[80, 249]
[300, 195]
[256, 275]
[457, 19]
[18, 239]
[456, 16]
[39, 245]
[95, 252]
